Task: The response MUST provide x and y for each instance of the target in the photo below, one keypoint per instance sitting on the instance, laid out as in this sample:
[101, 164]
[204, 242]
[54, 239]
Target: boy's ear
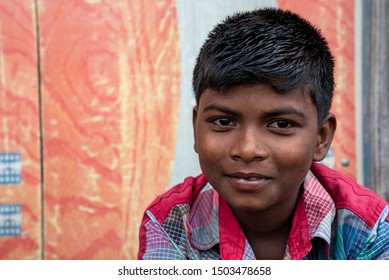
[324, 137]
[194, 120]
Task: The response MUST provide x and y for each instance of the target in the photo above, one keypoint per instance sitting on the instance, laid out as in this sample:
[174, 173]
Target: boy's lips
[250, 181]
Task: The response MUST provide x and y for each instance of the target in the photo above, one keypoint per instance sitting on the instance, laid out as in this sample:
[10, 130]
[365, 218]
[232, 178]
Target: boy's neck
[269, 246]
[268, 231]
[265, 224]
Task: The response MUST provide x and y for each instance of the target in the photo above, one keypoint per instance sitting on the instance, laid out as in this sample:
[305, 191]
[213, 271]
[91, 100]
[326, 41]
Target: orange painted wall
[104, 92]
[19, 123]
[110, 97]
[110, 89]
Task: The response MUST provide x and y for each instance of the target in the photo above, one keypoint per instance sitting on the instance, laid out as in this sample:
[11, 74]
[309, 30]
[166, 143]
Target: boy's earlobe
[324, 137]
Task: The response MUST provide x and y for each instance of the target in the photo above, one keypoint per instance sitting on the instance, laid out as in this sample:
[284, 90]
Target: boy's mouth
[247, 182]
[248, 176]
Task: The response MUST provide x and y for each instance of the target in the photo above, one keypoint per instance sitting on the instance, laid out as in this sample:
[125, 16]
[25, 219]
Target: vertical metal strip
[366, 70]
[359, 92]
[41, 143]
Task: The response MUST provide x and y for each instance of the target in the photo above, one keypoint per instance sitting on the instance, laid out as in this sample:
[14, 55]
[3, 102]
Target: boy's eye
[223, 122]
[281, 124]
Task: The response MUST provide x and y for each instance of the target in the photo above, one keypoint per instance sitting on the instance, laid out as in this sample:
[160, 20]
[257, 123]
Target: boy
[264, 84]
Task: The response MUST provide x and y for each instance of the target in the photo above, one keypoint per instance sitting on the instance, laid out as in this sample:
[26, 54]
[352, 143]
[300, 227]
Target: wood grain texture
[376, 99]
[336, 20]
[110, 73]
[19, 123]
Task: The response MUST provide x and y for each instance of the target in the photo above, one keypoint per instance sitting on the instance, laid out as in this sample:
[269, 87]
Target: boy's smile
[255, 145]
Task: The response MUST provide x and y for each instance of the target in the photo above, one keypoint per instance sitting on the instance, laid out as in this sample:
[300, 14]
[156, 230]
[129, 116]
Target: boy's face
[255, 145]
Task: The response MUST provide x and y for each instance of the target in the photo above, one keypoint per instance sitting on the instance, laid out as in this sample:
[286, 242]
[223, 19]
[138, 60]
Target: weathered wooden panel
[336, 20]
[376, 98]
[19, 133]
[110, 100]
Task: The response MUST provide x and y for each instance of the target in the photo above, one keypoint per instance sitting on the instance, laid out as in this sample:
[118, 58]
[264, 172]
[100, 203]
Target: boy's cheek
[294, 165]
[208, 150]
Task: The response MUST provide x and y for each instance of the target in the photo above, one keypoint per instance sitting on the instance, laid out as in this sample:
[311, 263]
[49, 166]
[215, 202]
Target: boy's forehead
[258, 97]
[247, 91]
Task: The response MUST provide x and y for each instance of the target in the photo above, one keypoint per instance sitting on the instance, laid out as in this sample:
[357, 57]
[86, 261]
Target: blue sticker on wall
[10, 220]
[10, 168]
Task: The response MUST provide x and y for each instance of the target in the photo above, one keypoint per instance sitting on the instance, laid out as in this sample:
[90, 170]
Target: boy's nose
[249, 146]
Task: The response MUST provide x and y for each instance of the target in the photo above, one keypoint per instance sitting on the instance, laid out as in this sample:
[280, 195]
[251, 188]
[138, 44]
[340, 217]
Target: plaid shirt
[334, 216]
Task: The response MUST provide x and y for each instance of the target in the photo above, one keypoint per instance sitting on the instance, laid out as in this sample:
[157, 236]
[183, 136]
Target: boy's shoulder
[182, 193]
[348, 194]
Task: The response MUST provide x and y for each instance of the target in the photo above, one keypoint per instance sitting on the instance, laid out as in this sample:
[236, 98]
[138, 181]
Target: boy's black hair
[268, 46]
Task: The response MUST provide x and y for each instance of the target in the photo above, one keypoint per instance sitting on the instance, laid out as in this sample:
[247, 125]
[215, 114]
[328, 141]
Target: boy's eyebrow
[285, 111]
[216, 107]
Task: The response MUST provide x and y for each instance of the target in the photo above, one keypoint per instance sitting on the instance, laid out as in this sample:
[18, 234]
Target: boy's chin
[249, 207]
